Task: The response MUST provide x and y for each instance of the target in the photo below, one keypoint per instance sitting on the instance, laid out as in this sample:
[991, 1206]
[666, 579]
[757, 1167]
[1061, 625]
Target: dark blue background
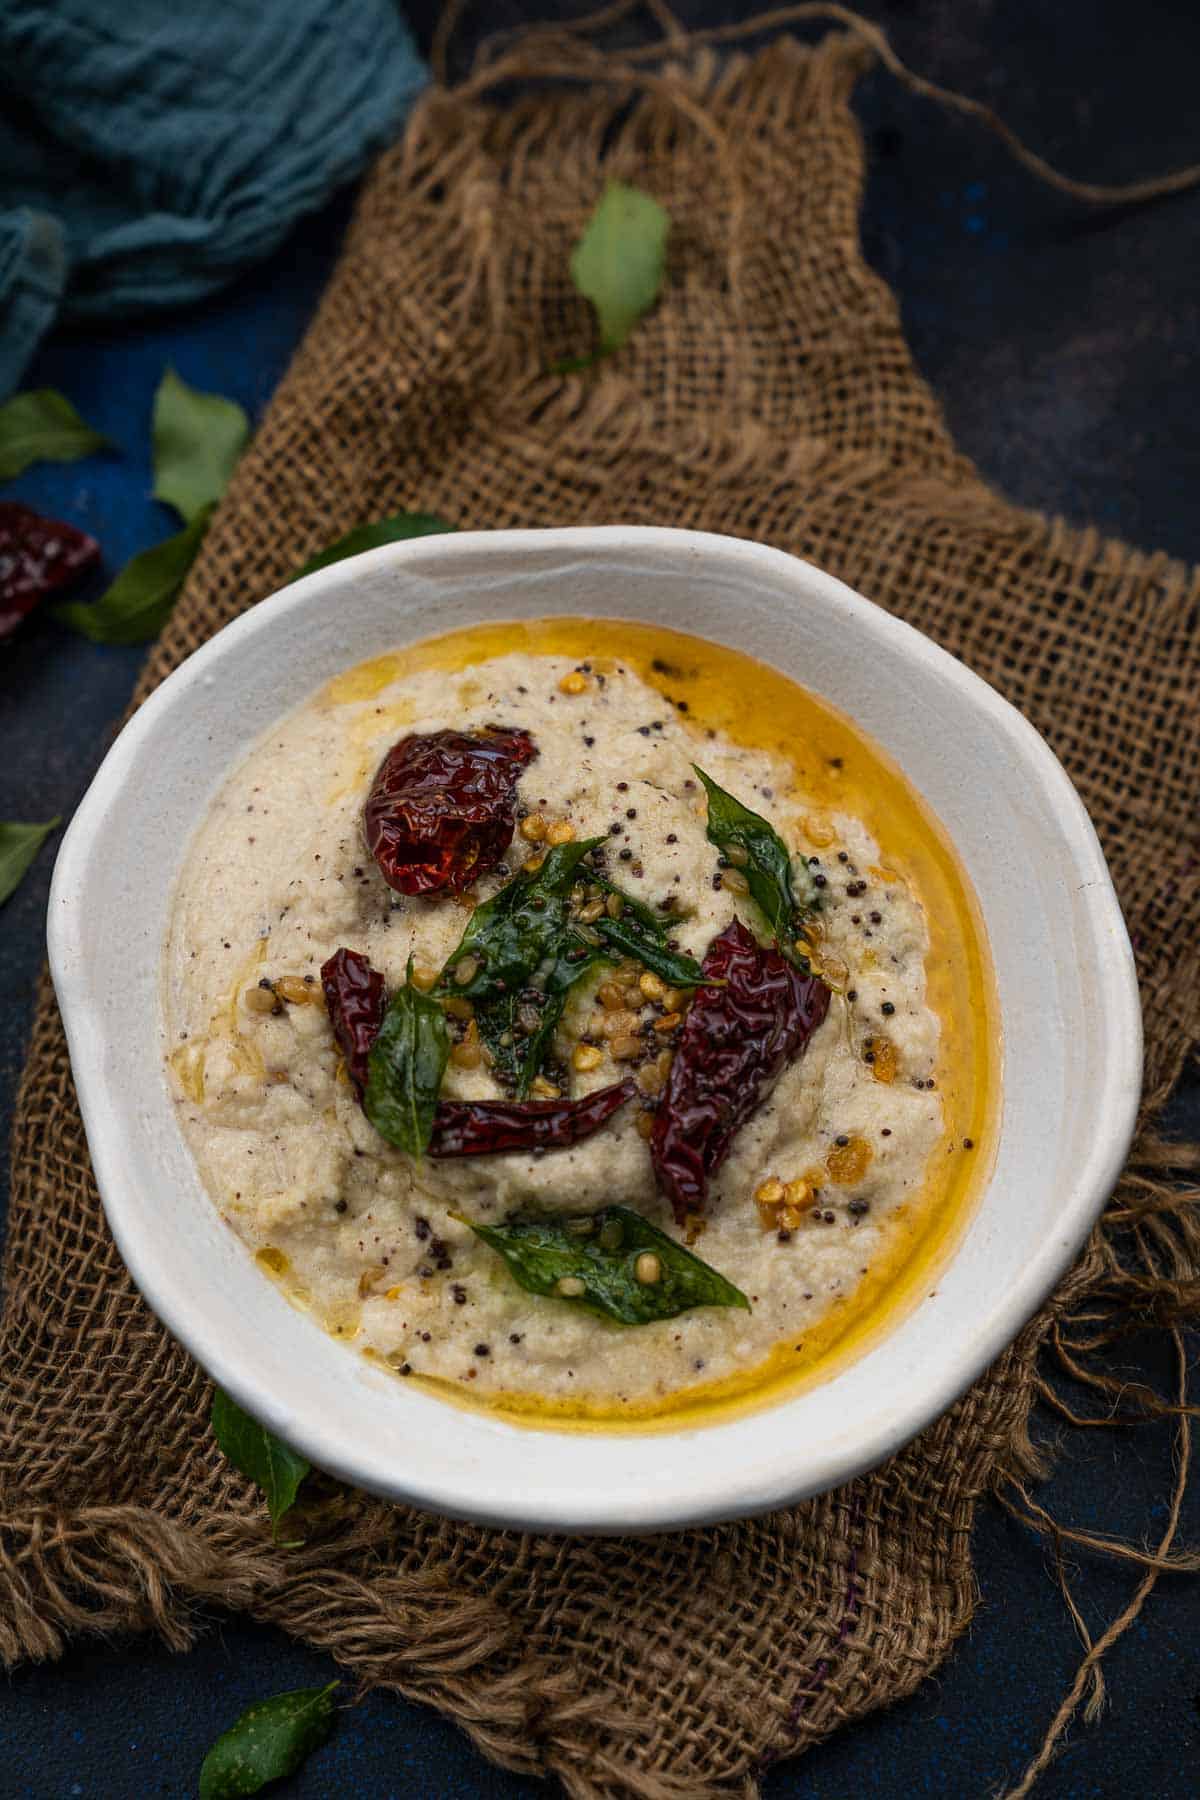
[1063, 345]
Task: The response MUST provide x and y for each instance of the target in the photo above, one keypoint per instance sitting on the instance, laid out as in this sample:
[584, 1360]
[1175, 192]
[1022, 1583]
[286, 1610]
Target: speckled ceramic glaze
[1067, 996]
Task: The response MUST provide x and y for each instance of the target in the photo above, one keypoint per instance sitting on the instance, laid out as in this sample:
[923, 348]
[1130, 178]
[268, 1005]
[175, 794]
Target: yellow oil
[837, 770]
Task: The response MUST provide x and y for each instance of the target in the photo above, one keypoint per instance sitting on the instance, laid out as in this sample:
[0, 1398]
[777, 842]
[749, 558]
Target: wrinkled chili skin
[737, 1040]
[38, 557]
[491, 1127]
[357, 1000]
[441, 808]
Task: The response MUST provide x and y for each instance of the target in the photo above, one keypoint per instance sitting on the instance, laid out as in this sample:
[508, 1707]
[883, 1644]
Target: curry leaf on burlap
[769, 394]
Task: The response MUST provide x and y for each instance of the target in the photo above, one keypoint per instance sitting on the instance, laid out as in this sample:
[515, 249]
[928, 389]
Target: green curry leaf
[42, 426]
[197, 441]
[258, 1454]
[595, 1258]
[139, 602]
[270, 1740]
[523, 958]
[642, 934]
[405, 1068]
[619, 261]
[754, 845]
[525, 950]
[19, 844]
[369, 537]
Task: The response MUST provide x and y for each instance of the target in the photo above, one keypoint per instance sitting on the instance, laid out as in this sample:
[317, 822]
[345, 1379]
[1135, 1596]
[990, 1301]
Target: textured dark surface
[1063, 345]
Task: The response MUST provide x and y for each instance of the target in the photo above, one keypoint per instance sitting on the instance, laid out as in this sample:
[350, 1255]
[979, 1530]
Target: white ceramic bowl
[1069, 1006]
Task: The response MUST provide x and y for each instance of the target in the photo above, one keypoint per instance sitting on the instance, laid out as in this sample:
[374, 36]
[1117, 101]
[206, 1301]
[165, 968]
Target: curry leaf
[43, 426]
[254, 1450]
[270, 1740]
[618, 263]
[523, 957]
[369, 537]
[641, 934]
[197, 441]
[19, 844]
[753, 844]
[525, 950]
[139, 602]
[405, 1068]
[593, 1260]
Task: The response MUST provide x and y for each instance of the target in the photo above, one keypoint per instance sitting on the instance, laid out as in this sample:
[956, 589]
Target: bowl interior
[1064, 973]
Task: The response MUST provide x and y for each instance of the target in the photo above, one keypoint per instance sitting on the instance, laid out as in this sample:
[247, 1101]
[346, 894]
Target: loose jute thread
[676, 40]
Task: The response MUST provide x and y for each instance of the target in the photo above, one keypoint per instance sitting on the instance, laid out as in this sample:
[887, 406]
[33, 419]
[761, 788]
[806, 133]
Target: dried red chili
[38, 557]
[737, 1039]
[357, 1000]
[490, 1127]
[440, 810]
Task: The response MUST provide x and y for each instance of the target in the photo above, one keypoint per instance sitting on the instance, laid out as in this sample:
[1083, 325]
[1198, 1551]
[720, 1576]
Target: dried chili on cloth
[441, 810]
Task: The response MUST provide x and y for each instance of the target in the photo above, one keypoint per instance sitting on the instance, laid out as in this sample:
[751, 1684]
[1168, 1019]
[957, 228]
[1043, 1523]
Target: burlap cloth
[770, 395]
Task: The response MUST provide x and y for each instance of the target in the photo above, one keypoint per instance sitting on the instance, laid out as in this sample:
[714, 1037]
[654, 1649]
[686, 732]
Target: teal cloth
[149, 149]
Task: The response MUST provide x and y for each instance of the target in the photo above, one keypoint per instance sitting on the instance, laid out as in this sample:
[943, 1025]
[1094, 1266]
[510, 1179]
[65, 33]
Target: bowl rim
[1115, 1102]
